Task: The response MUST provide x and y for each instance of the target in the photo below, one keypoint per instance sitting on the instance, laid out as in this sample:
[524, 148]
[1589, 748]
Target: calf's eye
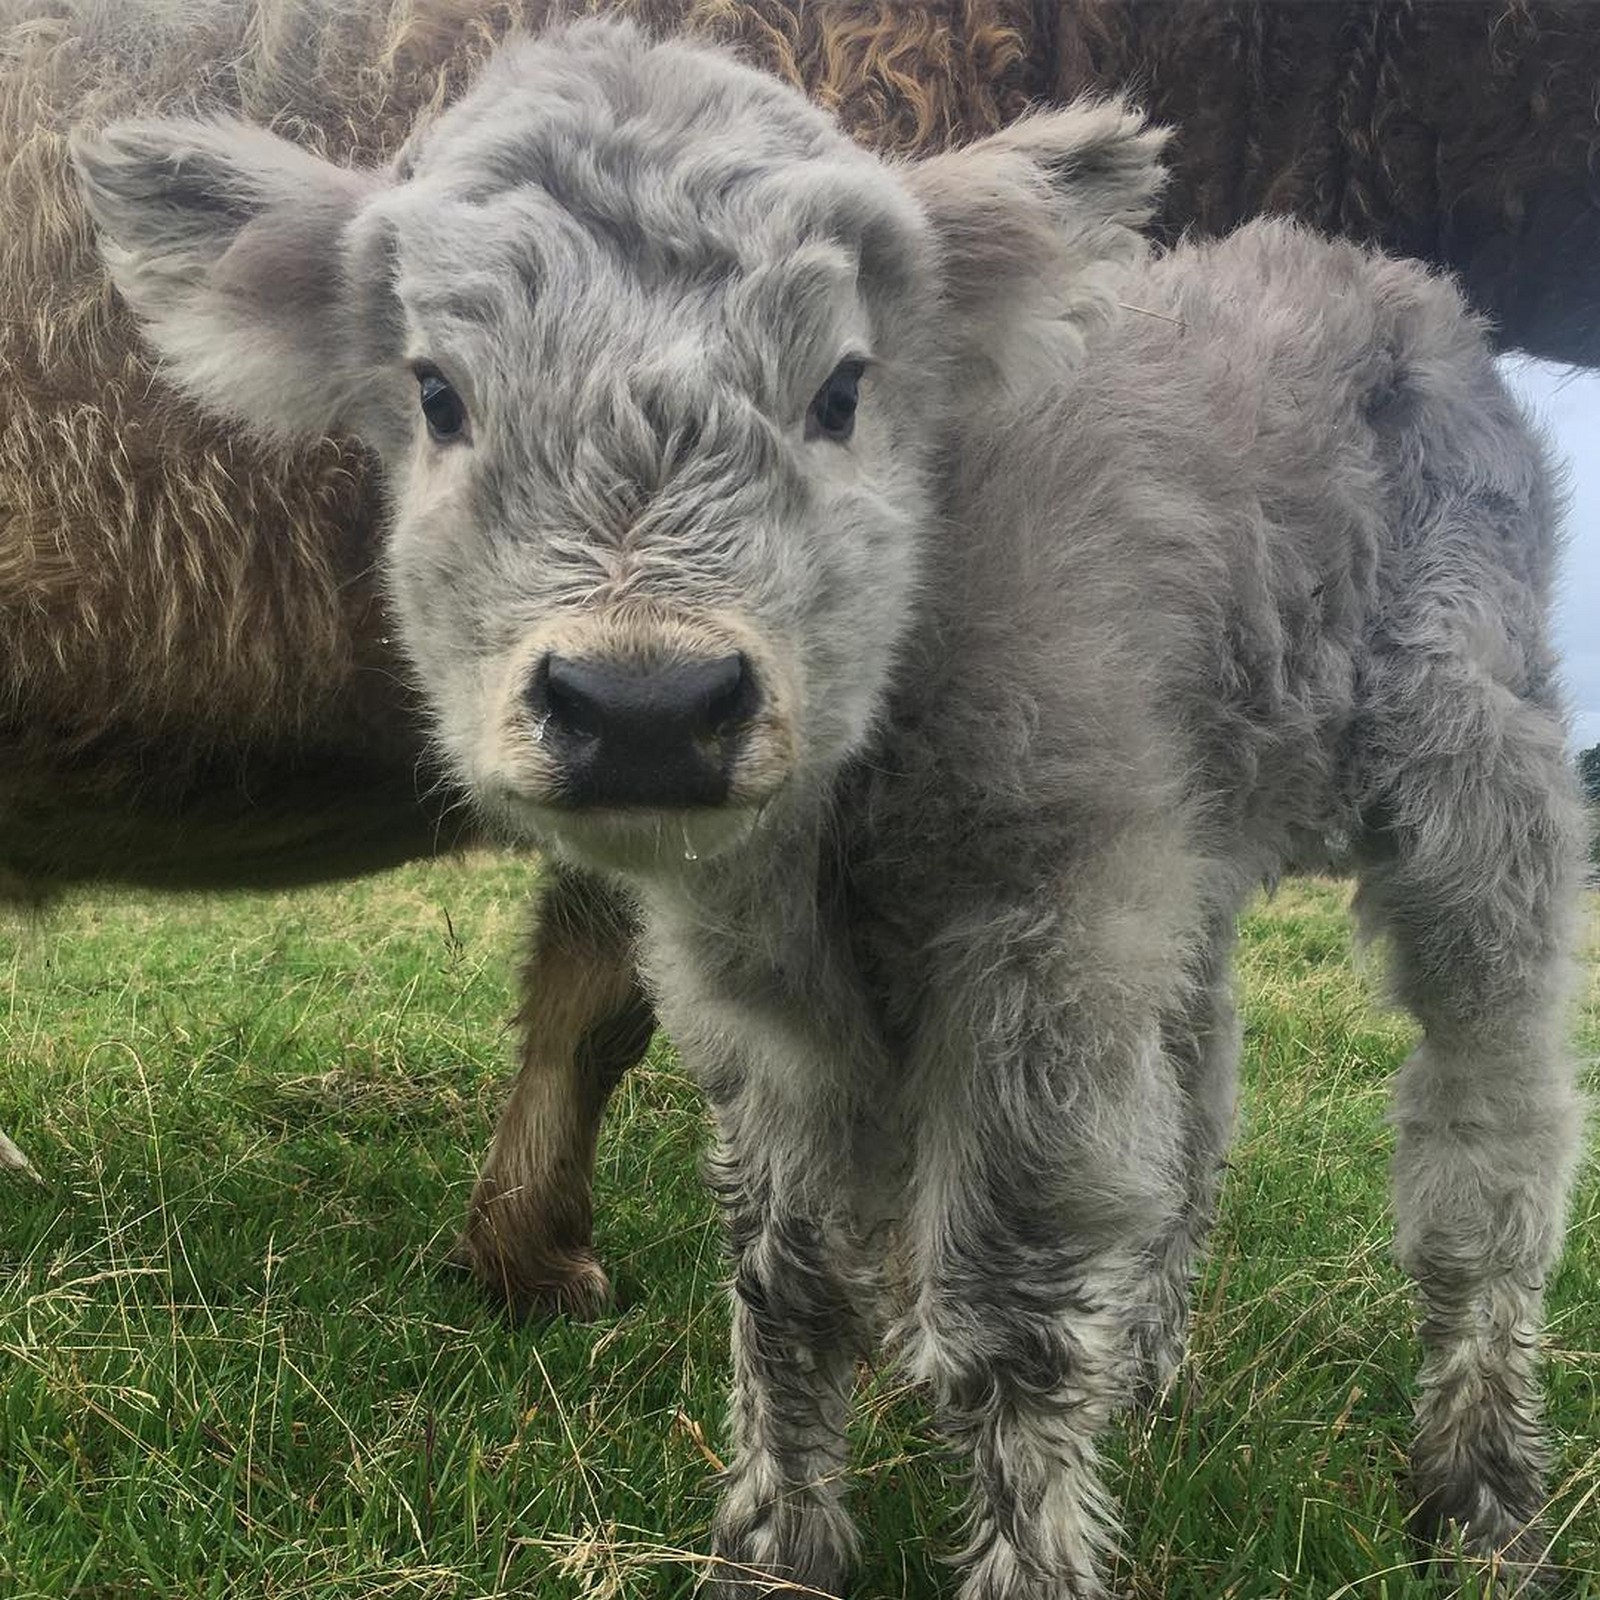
[441, 405]
[833, 409]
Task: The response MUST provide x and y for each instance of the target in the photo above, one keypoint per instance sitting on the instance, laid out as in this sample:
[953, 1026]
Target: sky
[1568, 404]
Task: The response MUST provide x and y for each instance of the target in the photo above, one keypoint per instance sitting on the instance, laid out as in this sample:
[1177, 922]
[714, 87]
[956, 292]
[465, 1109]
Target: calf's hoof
[731, 1580]
[796, 1546]
[1511, 1552]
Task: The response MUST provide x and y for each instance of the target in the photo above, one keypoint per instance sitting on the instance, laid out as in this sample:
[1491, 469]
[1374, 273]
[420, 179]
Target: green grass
[230, 1362]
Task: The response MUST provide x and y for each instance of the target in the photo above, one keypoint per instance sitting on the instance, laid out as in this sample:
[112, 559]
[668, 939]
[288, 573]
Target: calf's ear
[1028, 221]
[232, 247]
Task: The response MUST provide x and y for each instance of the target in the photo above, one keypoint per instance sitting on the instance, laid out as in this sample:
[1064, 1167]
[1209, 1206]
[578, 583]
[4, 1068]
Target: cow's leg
[582, 1023]
[781, 1525]
[1050, 1159]
[1202, 1041]
[1474, 874]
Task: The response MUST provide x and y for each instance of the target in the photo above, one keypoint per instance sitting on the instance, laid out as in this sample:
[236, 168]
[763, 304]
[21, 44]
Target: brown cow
[197, 687]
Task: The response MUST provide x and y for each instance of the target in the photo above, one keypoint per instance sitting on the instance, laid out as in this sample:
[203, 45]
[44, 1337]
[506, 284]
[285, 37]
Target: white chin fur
[629, 841]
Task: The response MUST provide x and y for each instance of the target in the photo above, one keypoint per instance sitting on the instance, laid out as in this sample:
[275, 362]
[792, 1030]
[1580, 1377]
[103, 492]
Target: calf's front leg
[582, 1023]
[798, 1331]
[1047, 1170]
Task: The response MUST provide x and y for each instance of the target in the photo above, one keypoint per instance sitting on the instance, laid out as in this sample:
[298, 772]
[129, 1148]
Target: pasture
[232, 1361]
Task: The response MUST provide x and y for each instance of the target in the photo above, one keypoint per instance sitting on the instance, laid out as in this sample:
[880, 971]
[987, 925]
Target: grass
[230, 1362]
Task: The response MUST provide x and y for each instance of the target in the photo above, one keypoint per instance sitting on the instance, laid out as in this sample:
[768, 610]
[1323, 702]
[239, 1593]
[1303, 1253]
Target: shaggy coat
[939, 615]
[197, 680]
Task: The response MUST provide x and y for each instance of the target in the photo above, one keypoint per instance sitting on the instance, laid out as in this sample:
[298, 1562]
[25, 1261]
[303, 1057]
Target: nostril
[733, 698]
[562, 692]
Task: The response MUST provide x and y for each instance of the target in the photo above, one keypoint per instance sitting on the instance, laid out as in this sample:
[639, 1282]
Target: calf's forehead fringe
[666, 152]
[594, 158]
[636, 104]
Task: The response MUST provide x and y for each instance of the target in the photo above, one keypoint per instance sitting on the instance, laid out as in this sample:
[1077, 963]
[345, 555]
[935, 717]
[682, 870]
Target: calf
[939, 615]
[197, 678]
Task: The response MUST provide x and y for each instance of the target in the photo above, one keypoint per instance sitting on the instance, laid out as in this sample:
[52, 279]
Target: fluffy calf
[941, 615]
[197, 681]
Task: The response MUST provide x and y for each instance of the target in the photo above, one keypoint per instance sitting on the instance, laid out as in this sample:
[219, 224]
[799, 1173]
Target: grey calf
[941, 650]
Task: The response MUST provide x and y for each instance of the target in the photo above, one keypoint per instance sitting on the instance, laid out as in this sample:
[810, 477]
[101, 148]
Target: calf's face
[658, 457]
[660, 368]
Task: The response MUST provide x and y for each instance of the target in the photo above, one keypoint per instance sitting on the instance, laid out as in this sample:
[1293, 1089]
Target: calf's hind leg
[583, 1022]
[1475, 877]
[1202, 1040]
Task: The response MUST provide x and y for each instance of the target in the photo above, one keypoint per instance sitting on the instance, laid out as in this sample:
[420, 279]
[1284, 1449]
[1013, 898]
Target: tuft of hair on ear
[1099, 154]
[228, 243]
[1032, 222]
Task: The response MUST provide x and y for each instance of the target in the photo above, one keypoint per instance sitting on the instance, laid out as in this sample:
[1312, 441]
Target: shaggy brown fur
[1460, 131]
[196, 686]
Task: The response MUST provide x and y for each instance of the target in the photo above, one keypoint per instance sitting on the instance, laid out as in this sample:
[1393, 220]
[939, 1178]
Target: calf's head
[661, 369]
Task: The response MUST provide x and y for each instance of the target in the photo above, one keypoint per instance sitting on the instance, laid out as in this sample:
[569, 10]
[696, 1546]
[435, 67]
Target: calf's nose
[627, 735]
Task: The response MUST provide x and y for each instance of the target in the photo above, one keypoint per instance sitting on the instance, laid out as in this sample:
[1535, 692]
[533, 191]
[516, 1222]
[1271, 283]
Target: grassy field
[230, 1362]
